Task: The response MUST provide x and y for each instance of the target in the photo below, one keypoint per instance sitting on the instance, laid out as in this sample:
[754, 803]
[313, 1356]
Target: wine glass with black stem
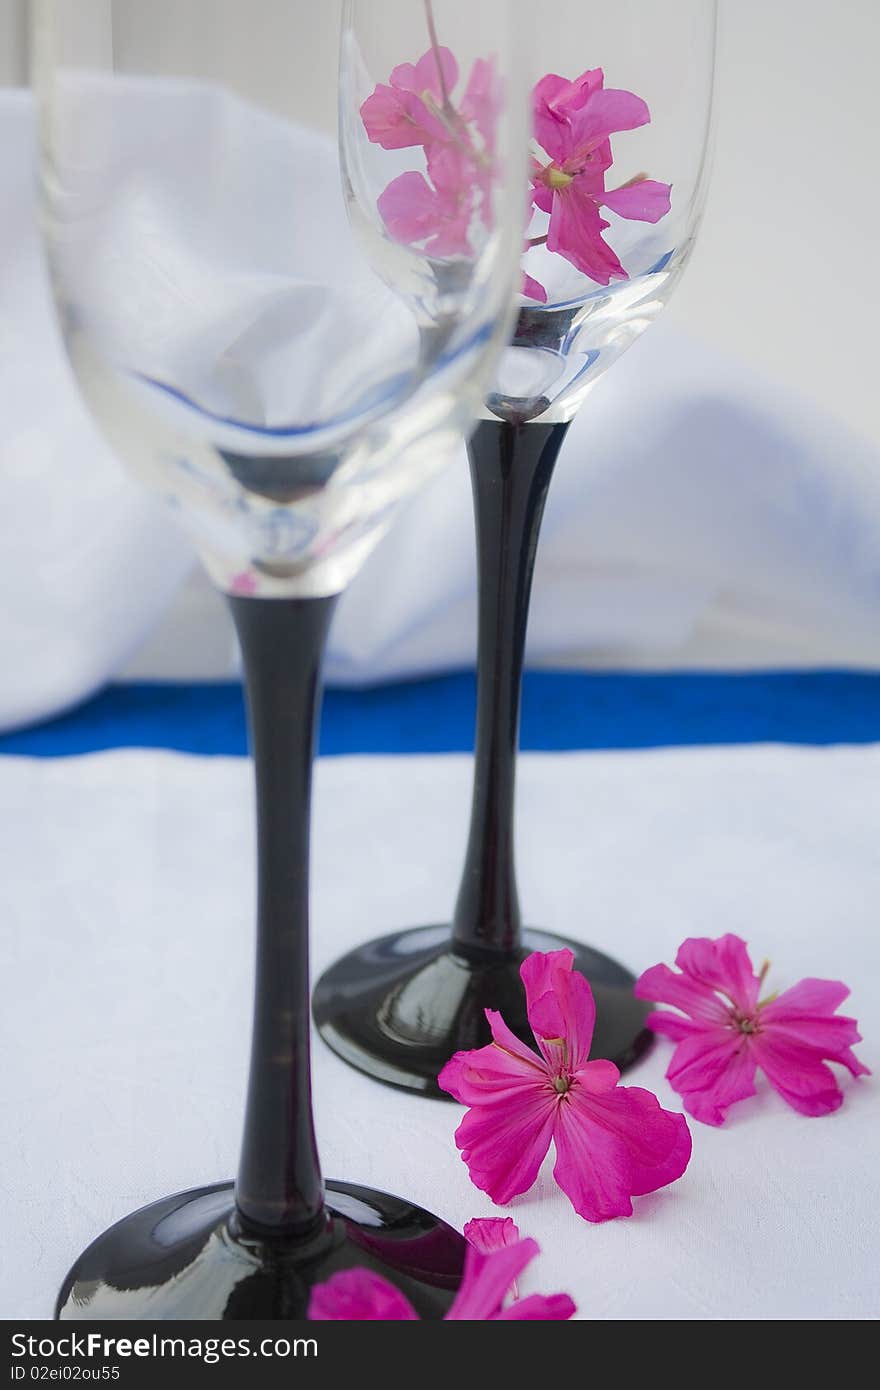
[622, 114]
[236, 345]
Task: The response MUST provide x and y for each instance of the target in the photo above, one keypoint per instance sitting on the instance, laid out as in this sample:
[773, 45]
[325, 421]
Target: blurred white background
[783, 283]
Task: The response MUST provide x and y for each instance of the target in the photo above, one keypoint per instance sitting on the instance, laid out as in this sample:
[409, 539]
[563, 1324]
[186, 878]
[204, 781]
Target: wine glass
[622, 114]
[237, 347]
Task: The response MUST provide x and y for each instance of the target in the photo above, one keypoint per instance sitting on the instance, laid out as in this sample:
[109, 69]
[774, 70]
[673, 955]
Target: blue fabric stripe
[561, 711]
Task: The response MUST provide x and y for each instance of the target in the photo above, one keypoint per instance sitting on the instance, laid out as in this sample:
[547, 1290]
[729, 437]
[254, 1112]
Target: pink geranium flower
[612, 1142]
[435, 210]
[486, 1234]
[440, 215]
[482, 101]
[407, 111]
[359, 1295]
[573, 123]
[244, 585]
[725, 1032]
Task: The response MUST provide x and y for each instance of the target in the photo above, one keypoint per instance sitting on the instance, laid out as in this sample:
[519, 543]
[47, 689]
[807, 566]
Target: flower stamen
[557, 179]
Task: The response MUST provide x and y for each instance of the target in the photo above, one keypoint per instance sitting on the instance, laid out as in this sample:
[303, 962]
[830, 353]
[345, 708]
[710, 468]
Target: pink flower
[612, 1143]
[359, 1295]
[573, 123]
[483, 100]
[725, 1033]
[407, 111]
[414, 211]
[533, 289]
[486, 1234]
[244, 585]
[436, 210]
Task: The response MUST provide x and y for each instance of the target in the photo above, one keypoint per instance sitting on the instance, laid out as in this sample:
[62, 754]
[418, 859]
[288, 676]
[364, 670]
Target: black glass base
[184, 1258]
[398, 1008]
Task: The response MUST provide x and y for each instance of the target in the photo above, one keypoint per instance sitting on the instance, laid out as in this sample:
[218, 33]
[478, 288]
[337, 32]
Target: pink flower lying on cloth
[573, 123]
[485, 1234]
[489, 1233]
[724, 1032]
[612, 1143]
[358, 1295]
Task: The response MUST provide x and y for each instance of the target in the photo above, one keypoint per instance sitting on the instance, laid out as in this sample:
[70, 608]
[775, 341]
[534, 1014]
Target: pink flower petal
[712, 1070]
[408, 208]
[451, 240]
[493, 1075]
[659, 1140]
[614, 1147]
[489, 1233]
[554, 1307]
[533, 289]
[507, 1039]
[415, 212]
[797, 1072]
[543, 197]
[551, 126]
[575, 95]
[486, 1234]
[399, 120]
[644, 201]
[674, 1026]
[606, 113]
[560, 1006]
[487, 1077]
[428, 70]
[723, 965]
[664, 986]
[505, 1144]
[359, 1295]
[598, 1077]
[592, 1164]
[482, 102]
[556, 101]
[575, 232]
[832, 1036]
[807, 999]
[487, 1281]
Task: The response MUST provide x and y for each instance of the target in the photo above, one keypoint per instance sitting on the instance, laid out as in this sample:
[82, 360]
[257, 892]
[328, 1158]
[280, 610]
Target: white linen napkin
[126, 908]
[697, 516]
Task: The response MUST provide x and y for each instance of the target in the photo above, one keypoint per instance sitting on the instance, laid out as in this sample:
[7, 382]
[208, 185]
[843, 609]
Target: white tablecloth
[125, 909]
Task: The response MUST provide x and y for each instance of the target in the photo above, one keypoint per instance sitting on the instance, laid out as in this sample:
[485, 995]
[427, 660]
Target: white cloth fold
[89, 560]
[126, 903]
[697, 515]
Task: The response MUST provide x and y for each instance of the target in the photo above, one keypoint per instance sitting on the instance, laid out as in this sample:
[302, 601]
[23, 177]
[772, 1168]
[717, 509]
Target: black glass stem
[279, 1188]
[399, 1007]
[258, 1249]
[511, 467]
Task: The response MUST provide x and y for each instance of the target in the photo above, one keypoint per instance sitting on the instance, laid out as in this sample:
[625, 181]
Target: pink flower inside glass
[612, 1142]
[725, 1031]
[573, 125]
[573, 122]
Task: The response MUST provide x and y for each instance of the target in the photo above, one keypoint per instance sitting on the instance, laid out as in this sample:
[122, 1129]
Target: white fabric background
[126, 1016]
